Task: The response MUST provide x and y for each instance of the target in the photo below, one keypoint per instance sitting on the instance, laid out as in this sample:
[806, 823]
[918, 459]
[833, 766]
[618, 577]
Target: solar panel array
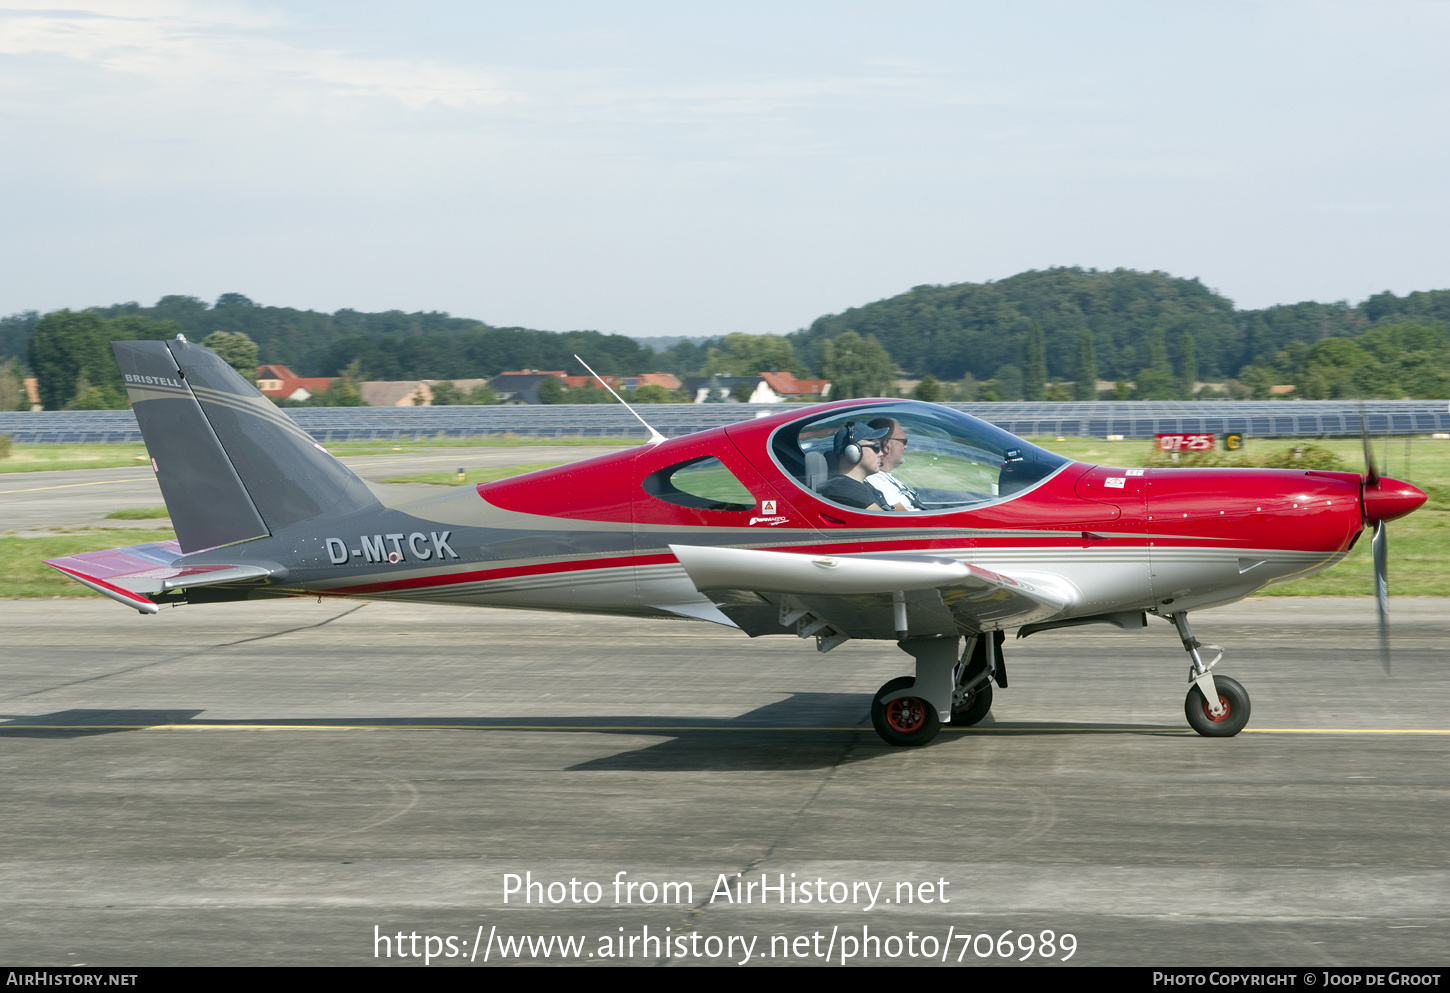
[1131, 419]
[1258, 419]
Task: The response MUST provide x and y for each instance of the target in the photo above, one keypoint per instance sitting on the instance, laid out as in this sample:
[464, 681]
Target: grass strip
[489, 441]
[138, 514]
[474, 476]
[52, 458]
[23, 572]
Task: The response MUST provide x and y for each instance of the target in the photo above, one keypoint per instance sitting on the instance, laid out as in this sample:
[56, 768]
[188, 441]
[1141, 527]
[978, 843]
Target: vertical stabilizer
[208, 504]
[230, 464]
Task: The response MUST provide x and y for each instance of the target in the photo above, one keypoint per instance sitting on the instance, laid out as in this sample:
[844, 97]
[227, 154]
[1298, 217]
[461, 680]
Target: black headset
[848, 449]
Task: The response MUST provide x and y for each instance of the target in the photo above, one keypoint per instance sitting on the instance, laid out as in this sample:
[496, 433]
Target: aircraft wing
[127, 575]
[855, 596]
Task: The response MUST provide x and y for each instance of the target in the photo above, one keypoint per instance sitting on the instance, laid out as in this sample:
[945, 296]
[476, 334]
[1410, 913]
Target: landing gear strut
[1215, 707]
[910, 710]
[981, 663]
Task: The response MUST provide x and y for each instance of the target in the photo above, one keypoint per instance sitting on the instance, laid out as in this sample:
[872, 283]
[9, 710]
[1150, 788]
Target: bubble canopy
[952, 461]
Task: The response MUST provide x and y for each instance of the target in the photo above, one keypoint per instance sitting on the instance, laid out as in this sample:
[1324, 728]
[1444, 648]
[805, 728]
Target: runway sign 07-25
[1187, 442]
[1232, 442]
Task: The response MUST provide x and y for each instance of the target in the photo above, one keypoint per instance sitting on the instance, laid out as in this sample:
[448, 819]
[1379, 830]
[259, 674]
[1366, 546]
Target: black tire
[906, 721]
[976, 708]
[1232, 695]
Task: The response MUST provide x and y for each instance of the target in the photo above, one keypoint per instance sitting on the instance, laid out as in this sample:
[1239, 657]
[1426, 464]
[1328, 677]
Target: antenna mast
[654, 436]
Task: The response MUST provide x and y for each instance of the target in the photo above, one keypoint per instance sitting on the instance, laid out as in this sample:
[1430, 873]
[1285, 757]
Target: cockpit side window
[935, 458]
[702, 483]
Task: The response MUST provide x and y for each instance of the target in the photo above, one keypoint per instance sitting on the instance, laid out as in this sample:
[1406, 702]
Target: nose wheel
[1233, 700]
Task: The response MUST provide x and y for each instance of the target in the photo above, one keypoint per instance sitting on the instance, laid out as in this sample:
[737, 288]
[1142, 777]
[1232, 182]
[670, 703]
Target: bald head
[893, 446]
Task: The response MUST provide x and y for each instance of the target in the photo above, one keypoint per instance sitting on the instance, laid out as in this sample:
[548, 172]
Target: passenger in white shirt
[895, 494]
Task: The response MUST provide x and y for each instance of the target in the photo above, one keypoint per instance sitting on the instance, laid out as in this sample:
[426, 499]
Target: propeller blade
[1372, 475]
[1382, 589]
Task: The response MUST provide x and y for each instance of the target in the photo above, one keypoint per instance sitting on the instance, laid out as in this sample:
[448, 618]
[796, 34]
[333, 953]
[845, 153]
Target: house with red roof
[284, 384]
[786, 387]
[522, 386]
[767, 387]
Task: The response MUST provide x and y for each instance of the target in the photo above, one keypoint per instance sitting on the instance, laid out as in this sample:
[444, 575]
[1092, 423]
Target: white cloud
[184, 45]
[618, 165]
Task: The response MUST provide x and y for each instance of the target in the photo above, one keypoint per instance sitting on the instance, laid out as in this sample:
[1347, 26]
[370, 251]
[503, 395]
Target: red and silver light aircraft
[771, 526]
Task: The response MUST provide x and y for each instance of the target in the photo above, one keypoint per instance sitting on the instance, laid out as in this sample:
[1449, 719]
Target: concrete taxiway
[284, 783]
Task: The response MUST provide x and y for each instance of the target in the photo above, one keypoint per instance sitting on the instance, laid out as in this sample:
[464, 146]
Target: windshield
[918, 457]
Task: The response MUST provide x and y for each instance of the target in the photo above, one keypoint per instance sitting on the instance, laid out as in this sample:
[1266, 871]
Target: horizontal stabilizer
[127, 575]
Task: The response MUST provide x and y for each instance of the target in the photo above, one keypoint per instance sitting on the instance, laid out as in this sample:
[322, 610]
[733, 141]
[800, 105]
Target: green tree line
[391, 345]
[1051, 334]
[1125, 321]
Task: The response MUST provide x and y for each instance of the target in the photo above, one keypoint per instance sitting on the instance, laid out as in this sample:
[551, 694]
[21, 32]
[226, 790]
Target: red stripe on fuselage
[479, 575]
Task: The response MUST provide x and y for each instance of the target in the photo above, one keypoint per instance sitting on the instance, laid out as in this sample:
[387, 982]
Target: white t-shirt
[893, 491]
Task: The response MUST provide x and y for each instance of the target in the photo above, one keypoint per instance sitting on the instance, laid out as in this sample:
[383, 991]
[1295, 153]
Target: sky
[691, 169]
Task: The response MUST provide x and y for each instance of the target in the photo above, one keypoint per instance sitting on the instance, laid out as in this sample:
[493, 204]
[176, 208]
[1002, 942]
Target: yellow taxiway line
[66, 486]
[647, 729]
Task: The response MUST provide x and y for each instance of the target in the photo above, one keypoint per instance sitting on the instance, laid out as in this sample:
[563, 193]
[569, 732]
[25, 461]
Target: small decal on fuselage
[767, 507]
[1133, 472]
[393, 548]
[772, 521]
[1115, 482]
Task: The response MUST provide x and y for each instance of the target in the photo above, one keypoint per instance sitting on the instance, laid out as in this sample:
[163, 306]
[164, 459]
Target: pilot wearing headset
[892, 492]
[858, 455]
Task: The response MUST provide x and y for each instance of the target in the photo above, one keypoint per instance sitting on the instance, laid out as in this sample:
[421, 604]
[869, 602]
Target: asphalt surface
[267, 783]
[297, 783]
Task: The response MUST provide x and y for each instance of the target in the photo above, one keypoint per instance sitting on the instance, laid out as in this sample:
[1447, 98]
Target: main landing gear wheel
[907, 720]
[974, 708]
[1236, 703]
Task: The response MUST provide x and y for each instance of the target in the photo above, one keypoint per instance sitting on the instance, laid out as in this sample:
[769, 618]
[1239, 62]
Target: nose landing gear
[1215, 707]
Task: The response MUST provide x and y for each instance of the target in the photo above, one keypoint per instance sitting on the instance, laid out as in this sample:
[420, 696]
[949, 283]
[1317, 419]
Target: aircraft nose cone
[1390, 498]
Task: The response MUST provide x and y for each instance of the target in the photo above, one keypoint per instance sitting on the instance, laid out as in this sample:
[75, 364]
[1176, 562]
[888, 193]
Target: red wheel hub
[906, 714]
[1223, 702]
